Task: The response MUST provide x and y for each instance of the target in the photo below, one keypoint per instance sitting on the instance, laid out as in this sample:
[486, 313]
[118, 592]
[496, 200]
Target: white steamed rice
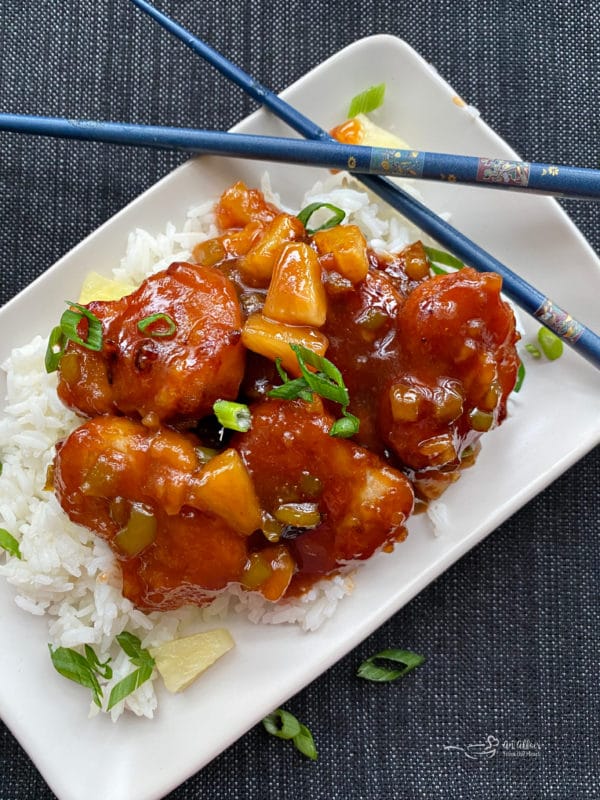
[66, 572]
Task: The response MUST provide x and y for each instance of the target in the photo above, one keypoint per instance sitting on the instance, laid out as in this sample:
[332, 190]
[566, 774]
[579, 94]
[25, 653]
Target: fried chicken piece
[458, 365]
[176, 365]
[298, 468]
[165, 511]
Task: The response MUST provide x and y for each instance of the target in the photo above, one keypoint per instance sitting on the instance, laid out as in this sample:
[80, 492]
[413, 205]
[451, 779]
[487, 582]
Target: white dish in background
[138, 759]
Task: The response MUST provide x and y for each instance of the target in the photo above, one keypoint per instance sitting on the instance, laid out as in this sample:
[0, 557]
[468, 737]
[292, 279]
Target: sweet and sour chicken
[426, 362]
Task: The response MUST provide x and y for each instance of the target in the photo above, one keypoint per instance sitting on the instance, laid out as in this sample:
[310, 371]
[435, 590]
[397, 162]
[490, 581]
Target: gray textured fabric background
[511, 631]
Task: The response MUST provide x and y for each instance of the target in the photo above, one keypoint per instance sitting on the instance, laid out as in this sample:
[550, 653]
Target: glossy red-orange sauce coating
[149, 371]
[448, 340]
[363, 502]
[428, 361]
[111, 464]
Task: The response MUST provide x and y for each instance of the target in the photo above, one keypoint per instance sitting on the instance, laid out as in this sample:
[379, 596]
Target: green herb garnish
[282, 724]
[67, 329]
[367, 101]
[101, 667]
[128, 685]
[327, 382]
[9, 543]
[305, 743]
[157, 325]
[235, 416]
[436, 257]
[533, 350]
[290, 389]
[55, 349]
[376, 669]
[140, 658]
[85, 669]
[69, 323]
[552, 346]
[306, 214]
[285, 726]
[346, 426]
[81, 669]
[520, 377]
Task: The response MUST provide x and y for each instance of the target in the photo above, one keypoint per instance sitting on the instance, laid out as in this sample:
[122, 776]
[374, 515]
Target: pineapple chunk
[98, 287]
[374, 136]
[230, 245]
[296, 294]
[181, 661]
[225, 477]
[273, 339]
[258, 263]
[348, 249]
[239, 205]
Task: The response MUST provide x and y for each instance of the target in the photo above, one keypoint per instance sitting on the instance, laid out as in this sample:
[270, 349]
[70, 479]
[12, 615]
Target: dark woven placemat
[511, 631]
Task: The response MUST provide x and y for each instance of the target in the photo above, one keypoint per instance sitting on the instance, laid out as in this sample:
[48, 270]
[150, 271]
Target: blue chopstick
[496, 173]
[574, 333]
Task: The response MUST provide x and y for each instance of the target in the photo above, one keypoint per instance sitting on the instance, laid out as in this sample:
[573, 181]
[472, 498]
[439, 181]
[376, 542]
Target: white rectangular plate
[270, 663]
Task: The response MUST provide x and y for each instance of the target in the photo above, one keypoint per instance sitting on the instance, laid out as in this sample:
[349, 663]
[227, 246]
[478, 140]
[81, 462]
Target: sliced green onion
[306, 214]
[438, 270]
[85, 669]
[280, 371]
[372, 670]
[157, 325]
[72, 665]
[533, 350]
[327, 381]
[55, 349]
[436, 256]
[285, 726]
[132, 647]
[367, 101]
[9, 543]
[305, 743]
[128, 685]
[520, 377]
[69, 322]
[345, 427]
[235, 416]
[282, 724]
[101, 667]
[551, 345]
[140, 658]
[290, 389]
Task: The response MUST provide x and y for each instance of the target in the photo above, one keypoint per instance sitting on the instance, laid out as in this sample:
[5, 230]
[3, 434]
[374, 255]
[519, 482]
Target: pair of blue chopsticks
[369, 162]
[539, 178]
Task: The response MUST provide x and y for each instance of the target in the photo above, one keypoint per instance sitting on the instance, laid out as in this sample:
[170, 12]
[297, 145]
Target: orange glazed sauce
[190, 508]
